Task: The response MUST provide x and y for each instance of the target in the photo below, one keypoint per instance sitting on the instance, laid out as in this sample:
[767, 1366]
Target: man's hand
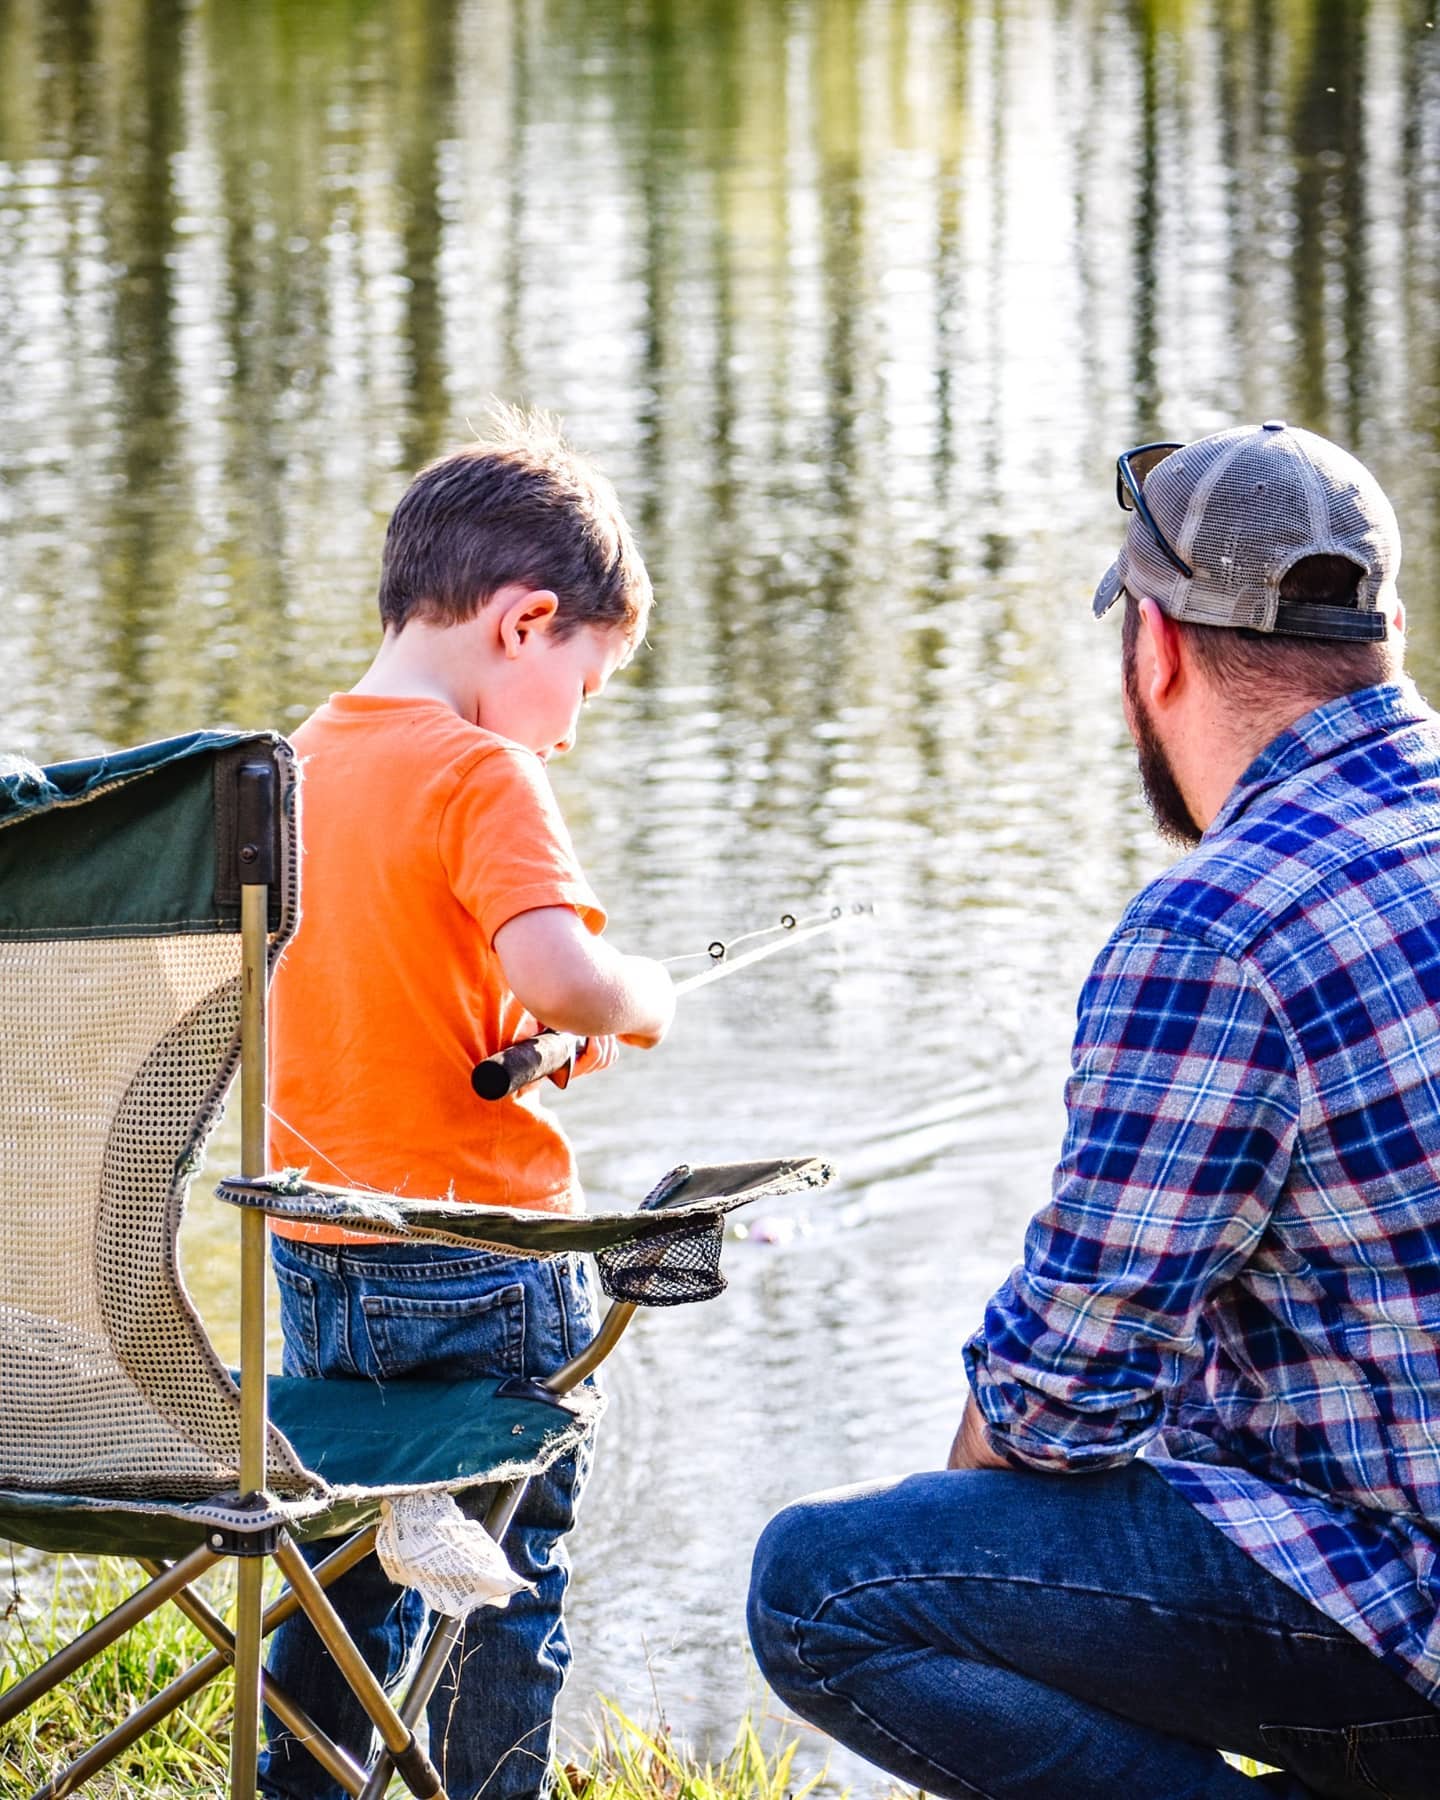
[971, 1449]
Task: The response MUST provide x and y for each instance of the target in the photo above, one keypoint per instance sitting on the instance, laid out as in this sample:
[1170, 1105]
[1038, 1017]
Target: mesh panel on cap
[1146, 572]
[1168, 493]
[1242, 507]
[1260, 508]
[1361, 519]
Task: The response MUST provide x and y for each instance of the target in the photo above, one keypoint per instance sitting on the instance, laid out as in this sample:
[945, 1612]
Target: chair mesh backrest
[119, 1031]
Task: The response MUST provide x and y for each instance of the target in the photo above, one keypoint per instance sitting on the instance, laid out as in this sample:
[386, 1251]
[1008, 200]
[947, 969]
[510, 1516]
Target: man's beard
[1173, 818]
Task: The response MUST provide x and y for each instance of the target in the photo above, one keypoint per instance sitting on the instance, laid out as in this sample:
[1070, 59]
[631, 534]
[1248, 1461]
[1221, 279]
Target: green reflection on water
[818, 279]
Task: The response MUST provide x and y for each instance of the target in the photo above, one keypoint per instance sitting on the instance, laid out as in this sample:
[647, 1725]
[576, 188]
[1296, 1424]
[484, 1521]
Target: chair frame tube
[104, 1632]
[159, 1706]
[329, 1755]
[135, 1724]
[254, 939]
[396, 1736]
[446, 1632]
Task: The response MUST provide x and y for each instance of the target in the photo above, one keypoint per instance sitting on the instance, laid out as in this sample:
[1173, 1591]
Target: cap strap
[1309, 618]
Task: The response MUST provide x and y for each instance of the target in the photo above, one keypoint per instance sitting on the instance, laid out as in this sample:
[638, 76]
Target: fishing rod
[507, 1071]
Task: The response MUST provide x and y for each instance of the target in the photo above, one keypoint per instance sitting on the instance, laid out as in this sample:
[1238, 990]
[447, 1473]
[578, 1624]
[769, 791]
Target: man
[1194, 1502]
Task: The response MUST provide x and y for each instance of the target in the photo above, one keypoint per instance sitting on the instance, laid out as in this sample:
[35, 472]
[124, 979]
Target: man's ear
[1166, 659]
[527, 617]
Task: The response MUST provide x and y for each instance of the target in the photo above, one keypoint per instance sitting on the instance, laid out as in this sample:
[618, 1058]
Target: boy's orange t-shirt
[421, 836]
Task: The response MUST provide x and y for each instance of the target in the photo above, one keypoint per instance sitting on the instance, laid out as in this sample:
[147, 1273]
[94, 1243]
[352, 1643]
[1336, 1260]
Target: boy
[444, 915]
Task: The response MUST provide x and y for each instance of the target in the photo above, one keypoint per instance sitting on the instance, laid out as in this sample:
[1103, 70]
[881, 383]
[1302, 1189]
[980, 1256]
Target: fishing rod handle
[507, 1071]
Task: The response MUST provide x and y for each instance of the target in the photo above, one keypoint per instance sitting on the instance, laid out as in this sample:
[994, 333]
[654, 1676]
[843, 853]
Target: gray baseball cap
[1217, 524]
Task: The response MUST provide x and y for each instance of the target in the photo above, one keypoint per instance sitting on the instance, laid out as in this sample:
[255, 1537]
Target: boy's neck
[423, 663]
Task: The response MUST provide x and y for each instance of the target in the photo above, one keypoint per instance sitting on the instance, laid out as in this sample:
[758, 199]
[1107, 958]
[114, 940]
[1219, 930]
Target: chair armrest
[729, 1185]
[689, 1200]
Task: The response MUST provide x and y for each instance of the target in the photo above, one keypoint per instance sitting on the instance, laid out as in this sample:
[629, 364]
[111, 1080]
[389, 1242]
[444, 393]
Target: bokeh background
[857, 303]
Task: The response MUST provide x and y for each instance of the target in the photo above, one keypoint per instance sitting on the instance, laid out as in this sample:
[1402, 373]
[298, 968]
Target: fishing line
[510, 1070]
[789, 931]
[300, 1138]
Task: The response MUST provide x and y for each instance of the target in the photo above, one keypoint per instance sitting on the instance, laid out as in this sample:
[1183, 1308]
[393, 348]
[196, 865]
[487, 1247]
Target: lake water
[857, 303]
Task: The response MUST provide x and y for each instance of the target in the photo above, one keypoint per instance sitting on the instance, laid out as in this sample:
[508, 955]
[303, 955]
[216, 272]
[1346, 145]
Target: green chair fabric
[363, 1438]
[119, 1020]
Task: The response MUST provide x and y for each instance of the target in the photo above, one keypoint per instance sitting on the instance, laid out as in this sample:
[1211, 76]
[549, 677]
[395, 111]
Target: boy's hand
[594, 1054]
[577, 983]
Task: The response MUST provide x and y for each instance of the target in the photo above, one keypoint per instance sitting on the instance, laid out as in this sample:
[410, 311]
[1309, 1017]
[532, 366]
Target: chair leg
[410, 1761]
[245, 1728]
[329, 1755]
[104, 1632]
[159, 1706]
[444, 1635]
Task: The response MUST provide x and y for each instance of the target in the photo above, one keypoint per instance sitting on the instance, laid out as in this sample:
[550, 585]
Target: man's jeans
[389, 1311]
[1084, 1637]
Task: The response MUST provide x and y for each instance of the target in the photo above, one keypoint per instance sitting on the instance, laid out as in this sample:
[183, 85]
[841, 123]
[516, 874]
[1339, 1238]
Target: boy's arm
[576, 982]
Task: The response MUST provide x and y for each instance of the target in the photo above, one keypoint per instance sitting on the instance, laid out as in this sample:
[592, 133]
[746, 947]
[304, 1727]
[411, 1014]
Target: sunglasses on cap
[1132, 468]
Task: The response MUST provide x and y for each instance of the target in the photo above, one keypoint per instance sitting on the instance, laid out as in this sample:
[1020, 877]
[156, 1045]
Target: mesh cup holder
[670, 1269]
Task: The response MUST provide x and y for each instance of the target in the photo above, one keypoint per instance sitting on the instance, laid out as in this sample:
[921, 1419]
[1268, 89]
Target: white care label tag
[425, 1542]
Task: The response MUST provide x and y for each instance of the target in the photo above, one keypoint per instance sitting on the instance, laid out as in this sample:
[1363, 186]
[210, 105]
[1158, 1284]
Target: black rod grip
[507, 1071]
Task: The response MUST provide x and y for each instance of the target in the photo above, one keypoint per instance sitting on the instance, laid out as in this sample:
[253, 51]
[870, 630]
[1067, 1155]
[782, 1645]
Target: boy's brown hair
[518, 506]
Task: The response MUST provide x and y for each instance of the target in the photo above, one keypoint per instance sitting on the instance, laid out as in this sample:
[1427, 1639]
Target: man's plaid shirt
[1240, 1265]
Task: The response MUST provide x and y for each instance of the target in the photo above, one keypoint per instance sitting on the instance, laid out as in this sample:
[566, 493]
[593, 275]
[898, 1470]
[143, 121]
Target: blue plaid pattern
[1239, 1268]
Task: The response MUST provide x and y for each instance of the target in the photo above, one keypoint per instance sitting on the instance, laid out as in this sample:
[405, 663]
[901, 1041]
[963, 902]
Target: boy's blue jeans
[1084, 1637]
[394, 1310]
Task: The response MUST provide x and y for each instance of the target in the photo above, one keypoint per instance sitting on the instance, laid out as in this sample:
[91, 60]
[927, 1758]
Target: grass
[186, 1760]
[633, 1763]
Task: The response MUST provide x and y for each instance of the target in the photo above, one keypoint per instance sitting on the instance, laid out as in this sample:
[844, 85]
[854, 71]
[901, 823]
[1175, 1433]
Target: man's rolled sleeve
[1182, 1107]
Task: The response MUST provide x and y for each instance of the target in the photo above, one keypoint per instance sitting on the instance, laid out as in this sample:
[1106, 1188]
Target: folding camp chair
[144, 898]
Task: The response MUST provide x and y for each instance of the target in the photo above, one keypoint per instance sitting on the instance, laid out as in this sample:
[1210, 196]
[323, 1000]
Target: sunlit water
[857, 303]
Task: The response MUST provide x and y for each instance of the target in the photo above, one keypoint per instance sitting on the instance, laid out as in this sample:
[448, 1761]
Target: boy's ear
[530, 612]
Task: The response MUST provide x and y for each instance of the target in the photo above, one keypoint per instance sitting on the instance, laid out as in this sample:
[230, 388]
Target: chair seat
[364, 1440]
[360, 1434]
